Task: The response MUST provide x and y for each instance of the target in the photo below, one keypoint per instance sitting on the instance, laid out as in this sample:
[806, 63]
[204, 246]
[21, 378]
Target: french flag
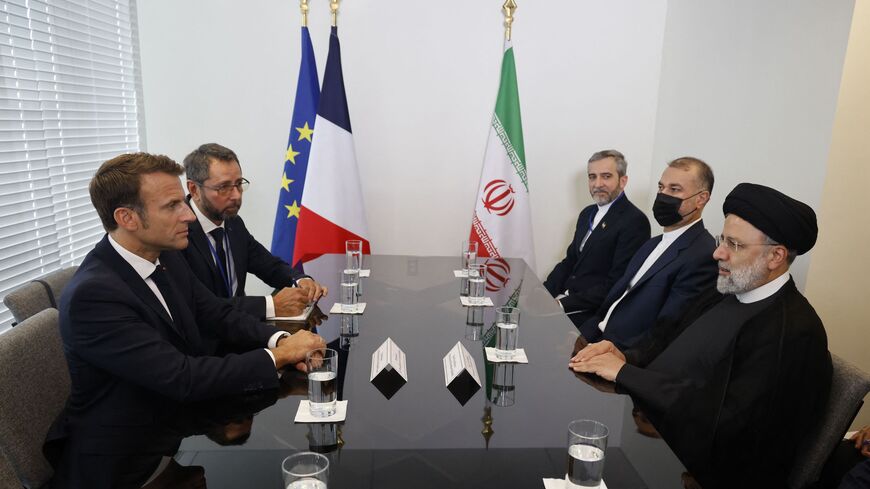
[332, 206]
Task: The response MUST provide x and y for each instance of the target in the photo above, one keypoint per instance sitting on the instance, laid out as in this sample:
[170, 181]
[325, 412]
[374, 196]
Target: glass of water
[467, 257]
[322, 372]
[305, 470]
[507, 321]
[476, 284]
[353, 254]
[348, 290]
[469, 254]
[587, 442]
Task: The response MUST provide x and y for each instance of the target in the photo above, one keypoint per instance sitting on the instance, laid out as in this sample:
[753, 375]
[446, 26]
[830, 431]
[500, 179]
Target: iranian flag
[502, 222]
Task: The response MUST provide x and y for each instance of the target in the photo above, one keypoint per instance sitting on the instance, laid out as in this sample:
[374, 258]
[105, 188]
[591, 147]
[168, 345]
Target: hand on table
[313, 290]
[602, 359]
[290, 301]
[292, 349]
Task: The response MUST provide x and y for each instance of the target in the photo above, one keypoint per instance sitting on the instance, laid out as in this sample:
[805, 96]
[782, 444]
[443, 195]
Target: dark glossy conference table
[423, 436]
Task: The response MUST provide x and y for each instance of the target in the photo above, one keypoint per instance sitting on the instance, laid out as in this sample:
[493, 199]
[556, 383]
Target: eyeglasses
[736, 246]
[225, 189]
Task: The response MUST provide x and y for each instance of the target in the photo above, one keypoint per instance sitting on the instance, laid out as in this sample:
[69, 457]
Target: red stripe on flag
[316, 235]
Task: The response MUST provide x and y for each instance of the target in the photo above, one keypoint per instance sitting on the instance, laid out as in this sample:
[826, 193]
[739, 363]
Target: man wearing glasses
[737, 389]
[222, 251]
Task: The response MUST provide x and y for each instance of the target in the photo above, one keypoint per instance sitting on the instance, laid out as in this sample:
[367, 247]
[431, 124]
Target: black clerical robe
[735, 392]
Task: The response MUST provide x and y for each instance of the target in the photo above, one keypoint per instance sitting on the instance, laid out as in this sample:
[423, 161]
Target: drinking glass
[305, 470]
[348, 290]
[322, 372]
[587, 442]
[507, 321]
[476, 284]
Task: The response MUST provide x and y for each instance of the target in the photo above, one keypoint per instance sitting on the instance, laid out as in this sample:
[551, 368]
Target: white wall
[421, 83]
[751, 87]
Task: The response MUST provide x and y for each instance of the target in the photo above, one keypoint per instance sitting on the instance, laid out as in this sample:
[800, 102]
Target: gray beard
[743, 279]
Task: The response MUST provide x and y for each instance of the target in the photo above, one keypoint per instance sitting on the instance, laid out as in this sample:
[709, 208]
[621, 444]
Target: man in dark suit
[608, 234]
[669, 271]
[130, 321]
[222, 251]
[729, 391]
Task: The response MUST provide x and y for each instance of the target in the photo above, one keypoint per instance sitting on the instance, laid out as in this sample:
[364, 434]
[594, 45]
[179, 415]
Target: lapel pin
[603, 225]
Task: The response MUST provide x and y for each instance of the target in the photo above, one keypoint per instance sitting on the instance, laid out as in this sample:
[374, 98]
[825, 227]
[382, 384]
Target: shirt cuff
[270, 306]
[301, 279]
[273, 340]
[273, 343]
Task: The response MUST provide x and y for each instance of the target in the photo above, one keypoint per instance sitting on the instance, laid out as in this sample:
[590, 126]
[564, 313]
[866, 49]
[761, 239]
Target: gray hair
[621, 164]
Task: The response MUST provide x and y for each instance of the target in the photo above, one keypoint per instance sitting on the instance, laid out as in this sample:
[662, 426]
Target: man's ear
[192, 189]
[779, 257]
[126, 218]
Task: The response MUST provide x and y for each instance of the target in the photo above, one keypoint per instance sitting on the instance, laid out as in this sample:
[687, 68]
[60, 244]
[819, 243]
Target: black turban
[785, 220]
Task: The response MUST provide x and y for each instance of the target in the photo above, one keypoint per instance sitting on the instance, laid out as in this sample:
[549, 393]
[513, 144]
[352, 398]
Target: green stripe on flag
[506, 121]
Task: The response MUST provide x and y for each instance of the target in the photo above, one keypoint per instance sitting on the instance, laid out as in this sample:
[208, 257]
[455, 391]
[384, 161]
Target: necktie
[165, 288]
[223, 266]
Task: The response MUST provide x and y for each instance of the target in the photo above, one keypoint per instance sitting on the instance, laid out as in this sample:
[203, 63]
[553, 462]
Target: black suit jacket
[587, 275]
[130, 363]
[663, 294]
[248, 255]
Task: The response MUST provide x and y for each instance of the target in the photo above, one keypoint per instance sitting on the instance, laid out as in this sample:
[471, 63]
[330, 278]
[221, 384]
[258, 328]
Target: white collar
[142, 266]
[604, 208]
[764, 291]
[671, 236]
[207, 225]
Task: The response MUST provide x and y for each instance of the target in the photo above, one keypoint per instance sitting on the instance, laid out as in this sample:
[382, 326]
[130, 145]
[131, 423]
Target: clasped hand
[602, 359]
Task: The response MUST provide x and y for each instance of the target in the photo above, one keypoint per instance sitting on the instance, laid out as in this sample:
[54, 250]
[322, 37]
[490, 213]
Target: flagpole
[303, 7]
[333, 7]
[509, 7]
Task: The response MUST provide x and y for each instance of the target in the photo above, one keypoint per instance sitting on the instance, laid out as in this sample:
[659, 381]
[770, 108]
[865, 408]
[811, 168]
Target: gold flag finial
[333, 7]
[509, 7]
[303, 7]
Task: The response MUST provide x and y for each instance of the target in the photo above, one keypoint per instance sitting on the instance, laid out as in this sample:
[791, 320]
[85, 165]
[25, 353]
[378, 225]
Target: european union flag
[296, 157]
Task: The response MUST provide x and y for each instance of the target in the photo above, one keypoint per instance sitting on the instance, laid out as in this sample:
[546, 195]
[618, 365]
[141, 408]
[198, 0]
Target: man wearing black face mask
[669, 273]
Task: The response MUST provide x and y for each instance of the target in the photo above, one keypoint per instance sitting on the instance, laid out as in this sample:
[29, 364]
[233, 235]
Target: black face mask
[666, 209]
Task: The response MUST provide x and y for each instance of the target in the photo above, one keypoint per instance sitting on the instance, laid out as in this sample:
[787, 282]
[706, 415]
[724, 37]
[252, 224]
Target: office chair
[38, 294]
[849, 385]
[35, 383]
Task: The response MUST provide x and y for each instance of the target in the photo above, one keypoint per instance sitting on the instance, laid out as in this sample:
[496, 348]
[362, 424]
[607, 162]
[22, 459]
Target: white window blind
[69, 100]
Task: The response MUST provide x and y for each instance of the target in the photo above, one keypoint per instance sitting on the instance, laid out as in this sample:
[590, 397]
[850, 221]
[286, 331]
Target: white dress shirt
[668, 239]
[765, 291]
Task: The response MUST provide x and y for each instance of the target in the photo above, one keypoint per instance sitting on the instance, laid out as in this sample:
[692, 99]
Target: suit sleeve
[556, 279]
[112, 334]
[694, 278]
[254, 305]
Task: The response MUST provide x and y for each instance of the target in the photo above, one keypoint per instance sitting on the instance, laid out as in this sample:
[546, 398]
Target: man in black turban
[736, 390]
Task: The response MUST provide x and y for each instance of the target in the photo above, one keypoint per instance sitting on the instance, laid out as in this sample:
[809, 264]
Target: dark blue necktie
[223, 266]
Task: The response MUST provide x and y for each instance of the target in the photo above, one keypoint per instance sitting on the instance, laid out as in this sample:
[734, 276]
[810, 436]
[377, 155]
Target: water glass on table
[476, 284]
[353, 257]
[507, 322]
[467, 257]
[348, 290]
[587, 442]
[322, 373]
[305, 470]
